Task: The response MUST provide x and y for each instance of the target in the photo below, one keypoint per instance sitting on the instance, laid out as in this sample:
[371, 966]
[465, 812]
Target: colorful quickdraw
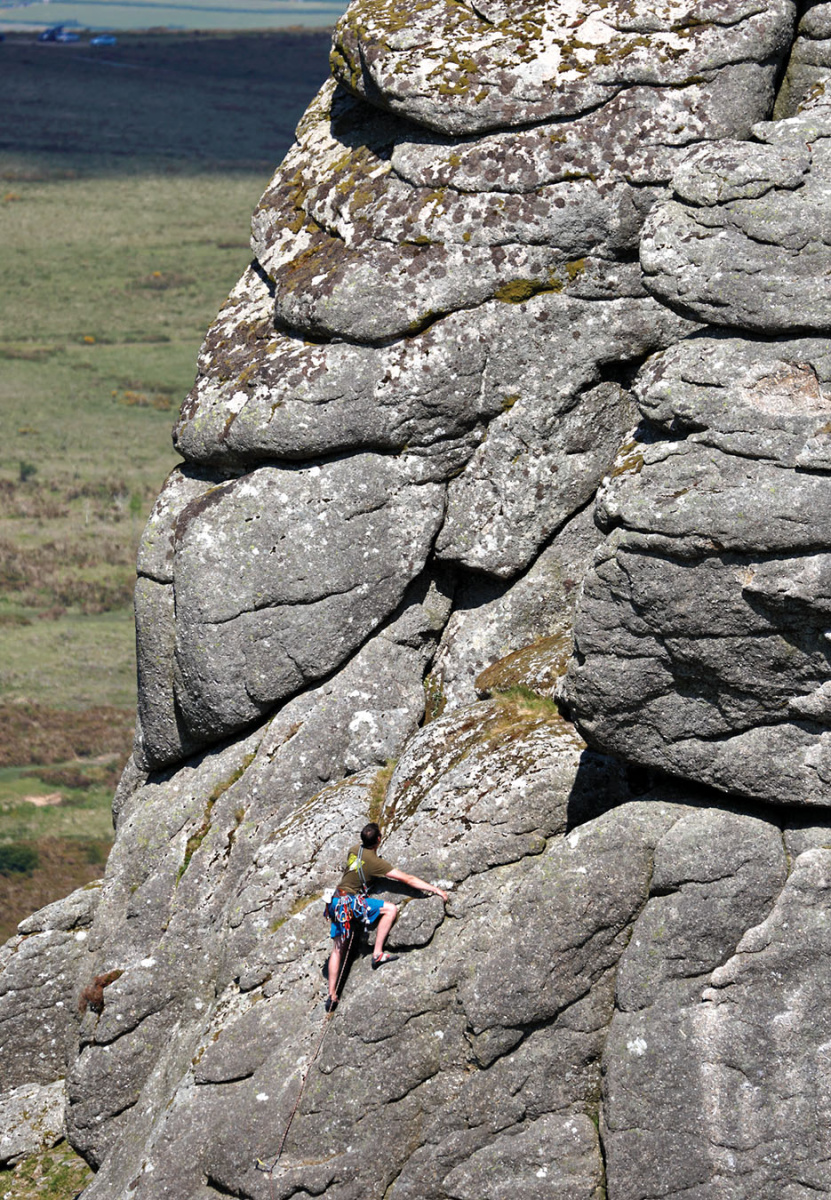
[344, 909]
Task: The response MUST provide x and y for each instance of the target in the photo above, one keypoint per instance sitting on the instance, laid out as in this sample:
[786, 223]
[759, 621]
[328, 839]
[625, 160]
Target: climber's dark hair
[370, 835]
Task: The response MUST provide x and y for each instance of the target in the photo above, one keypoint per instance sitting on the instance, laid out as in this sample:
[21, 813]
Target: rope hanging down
[269, 1168]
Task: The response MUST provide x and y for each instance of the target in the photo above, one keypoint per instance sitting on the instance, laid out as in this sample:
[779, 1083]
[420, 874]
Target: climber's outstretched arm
[413, 881]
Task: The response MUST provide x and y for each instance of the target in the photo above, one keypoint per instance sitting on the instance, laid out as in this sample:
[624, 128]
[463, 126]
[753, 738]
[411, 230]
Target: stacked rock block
[536, 324]
[437, 332]
[702, 640]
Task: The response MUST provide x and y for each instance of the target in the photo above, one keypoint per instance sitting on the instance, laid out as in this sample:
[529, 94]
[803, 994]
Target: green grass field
[125, 198]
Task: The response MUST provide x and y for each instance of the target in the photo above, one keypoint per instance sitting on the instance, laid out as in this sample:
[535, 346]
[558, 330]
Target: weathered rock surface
[278, 576]
[542, 459]
[733, 1077]
[482, 1050]
[31, 1119]
[266, 953]
[263, 393]
[461, 68]
[40, 976]
[408, 291]
[701, 642]
[502, 636]
[747, 243]
[445, 409]
[809, 66]
[472, 392]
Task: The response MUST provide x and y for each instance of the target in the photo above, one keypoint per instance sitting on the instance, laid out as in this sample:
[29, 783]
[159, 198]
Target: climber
[351, 902]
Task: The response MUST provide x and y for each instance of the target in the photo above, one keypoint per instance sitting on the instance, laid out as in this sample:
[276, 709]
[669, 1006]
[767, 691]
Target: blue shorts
[361, 908]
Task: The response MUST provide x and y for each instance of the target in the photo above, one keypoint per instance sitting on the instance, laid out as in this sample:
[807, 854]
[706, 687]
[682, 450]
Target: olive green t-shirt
[373, 867]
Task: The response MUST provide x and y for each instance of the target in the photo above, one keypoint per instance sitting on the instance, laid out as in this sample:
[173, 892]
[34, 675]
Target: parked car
[103, 39]
[57, 33]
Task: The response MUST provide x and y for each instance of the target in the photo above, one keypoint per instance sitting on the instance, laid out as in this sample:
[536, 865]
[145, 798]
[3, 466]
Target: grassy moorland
[127, 178]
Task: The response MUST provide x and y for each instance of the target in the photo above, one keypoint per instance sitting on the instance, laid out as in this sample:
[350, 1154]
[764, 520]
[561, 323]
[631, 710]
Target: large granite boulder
[514, 635]
[701, 639]
[517, 1028]
[461, 69]
[420, 257]
[747, 242]
[31, 1119]
[717, 1090]
[279, 575]
[41, 972]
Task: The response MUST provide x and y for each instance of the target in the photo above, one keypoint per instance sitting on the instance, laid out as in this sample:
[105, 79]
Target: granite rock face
[462, 69]
[279, 575]
[31, 1119]
[532, 358]
[809, 66]
[747, 242]
[40, 975]
[701, 641]
[586, 932]
[408, 292]
[728, 1085]
[501, 636]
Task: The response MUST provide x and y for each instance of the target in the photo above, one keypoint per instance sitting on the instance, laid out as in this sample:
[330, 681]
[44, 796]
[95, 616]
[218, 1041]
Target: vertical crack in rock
[716, 875]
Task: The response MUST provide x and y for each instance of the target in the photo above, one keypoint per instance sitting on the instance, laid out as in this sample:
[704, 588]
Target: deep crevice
[212, 1182]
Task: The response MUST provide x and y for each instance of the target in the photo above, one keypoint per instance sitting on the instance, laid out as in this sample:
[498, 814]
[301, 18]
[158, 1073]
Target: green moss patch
[56, 1174]
[535, 667]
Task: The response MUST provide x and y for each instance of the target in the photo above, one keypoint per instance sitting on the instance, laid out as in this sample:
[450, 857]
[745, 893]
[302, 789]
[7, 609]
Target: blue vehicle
[57, 33]
[103, 39]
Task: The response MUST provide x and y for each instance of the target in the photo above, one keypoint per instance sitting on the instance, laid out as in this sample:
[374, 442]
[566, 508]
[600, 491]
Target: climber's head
[370, 835]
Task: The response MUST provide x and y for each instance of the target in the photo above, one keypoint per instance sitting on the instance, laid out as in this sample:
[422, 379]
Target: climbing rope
[269, 1168]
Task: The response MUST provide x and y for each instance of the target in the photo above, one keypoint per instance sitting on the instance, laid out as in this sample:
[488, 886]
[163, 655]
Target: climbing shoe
[331, 1004]
[382, 960]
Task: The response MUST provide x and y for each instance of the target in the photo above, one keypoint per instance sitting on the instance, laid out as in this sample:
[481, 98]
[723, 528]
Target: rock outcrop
[701, 646]
[747, 242]
[504, 520]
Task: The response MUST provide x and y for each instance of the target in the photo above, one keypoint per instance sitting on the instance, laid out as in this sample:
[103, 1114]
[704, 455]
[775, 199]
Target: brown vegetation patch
[161, 281]
[55, 574]
[158, 400]
[28, 354]
[32, 734]
[536, 667]
[52, 498]
[14, 619]
[82, 778]
[44, 801]
[31, 499]
[64, 864]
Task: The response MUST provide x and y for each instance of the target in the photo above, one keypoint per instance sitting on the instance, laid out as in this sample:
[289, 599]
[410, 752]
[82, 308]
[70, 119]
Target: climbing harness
[346, 910]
